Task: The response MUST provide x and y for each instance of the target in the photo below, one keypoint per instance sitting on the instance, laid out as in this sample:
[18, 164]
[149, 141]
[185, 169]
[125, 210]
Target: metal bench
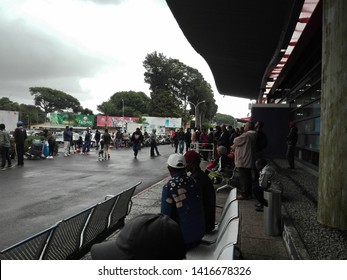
[71, 238]
[231, 212]
[221, 242]
[221, 248]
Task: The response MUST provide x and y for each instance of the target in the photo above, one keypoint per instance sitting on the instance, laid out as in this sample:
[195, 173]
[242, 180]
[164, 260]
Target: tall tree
[51, 100]
[220, 119]
[179, 84]
[7, 105]
[135, 104]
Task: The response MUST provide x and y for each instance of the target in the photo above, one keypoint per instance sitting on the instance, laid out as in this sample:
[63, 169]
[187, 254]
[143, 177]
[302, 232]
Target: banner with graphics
[72, 119]
[164, 122]
[114, 121]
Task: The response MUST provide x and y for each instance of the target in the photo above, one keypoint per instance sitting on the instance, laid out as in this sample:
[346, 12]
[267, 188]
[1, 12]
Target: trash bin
[272, 212]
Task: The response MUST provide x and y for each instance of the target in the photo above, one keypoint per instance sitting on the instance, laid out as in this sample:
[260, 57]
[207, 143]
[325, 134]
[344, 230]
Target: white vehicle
[59, 137]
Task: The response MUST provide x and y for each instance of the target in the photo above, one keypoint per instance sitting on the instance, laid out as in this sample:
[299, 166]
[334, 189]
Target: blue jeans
[181, 146]
[136, 148]
[86, 146]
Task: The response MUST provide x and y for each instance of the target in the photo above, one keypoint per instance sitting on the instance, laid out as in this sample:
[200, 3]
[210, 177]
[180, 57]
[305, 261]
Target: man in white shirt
[244, 147]
[268, 179]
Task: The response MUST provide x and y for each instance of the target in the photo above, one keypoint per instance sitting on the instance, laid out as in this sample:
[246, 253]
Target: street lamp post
[123, 116]
[197, 118]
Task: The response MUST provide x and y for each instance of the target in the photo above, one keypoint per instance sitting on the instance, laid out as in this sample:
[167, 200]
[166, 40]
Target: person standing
[260, 139]
[72, 148]
[87, 141]
[20, 135]
[244, 147]
[260, 144]
[51, 142]
[5, 147]
[204, 144]
[137, 139]
[175, 140]
[181, 138]
[224, 138]
[182, 201]
[195, 138]
[106, 139]
[292, 139]
[154, 147]
[173, 132]
[118, 139]
[67, 140]
[188, 139]
[97, 139]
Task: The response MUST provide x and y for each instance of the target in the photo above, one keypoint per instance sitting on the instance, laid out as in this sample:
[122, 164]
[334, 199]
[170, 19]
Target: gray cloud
[30, 58]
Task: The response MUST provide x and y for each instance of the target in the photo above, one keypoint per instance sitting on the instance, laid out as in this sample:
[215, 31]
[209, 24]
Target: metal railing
[71, 238]
[203, 147]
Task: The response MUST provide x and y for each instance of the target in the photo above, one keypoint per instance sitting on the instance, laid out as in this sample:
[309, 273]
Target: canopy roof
[242, 41]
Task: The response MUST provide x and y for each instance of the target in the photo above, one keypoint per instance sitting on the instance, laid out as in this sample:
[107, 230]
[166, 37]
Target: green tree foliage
[178, 84]
[136, 104]
[7, 105]
[163, 104]
[51, 100]
[29, 114]
[86, 111]
[220, 119]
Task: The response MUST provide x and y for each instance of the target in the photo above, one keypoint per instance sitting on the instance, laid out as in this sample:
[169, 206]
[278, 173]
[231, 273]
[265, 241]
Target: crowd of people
[188, 199]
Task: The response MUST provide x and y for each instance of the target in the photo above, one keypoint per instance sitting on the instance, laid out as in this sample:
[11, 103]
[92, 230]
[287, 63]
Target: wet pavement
[43, 192]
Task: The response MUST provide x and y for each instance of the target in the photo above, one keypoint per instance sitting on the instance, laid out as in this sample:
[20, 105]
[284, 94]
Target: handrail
[43, 244]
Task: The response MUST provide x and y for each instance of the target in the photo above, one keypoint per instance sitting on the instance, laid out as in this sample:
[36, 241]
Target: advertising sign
[114, 121]
[72, 119]
[163, 122]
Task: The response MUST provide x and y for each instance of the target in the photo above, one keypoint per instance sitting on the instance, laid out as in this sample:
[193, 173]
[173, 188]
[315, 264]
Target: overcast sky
[91, 49]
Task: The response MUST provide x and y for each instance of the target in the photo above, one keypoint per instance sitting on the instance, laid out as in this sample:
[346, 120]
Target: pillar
[332, 192]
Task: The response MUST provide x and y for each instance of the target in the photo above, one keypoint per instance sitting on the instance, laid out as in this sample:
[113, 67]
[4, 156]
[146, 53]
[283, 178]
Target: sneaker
[3, 168]
[260, 209]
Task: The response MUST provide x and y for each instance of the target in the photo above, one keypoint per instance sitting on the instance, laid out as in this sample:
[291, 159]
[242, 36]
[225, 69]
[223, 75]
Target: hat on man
[145, 237]
[192, 157]
[177, 161]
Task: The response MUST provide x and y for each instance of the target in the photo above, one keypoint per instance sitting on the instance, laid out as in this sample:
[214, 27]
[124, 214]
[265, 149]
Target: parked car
[59, 137]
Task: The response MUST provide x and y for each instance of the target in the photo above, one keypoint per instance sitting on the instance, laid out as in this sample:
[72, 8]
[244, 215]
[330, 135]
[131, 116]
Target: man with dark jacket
[20, 135]
[182, 201]
[292, 138]
[67, 140]
[97, 138]
[188, 138]
[137, 139]
[106, 138]
[87, 141]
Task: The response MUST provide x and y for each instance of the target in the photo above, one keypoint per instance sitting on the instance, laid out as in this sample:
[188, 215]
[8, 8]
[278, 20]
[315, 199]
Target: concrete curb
[291, 239]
